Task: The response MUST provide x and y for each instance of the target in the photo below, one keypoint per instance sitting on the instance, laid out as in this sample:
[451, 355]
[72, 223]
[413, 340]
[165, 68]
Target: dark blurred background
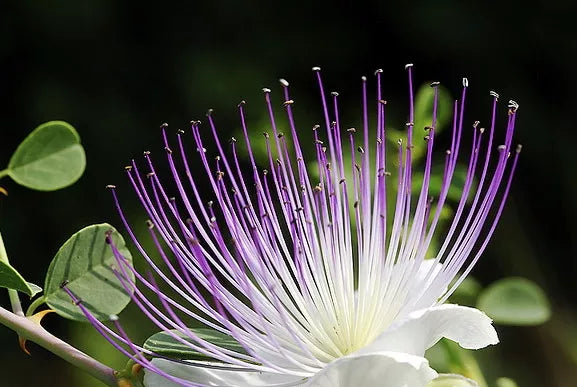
[118, 69]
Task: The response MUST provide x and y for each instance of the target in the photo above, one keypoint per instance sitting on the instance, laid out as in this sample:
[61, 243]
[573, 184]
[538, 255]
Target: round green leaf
[86, 262]
[162, 343]
[452, 380]
[50, 158]
[515, 301]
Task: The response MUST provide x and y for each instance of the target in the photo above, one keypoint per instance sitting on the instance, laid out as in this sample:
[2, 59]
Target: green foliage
[505, 382]
[50, 158]
[467, 292]
[451, 380]
[164, 344]
[515, 301]
[86, 263]
[11, 279]
[423, 118]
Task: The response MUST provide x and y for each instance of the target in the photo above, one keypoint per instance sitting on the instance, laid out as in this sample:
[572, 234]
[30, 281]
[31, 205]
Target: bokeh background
[118, 69]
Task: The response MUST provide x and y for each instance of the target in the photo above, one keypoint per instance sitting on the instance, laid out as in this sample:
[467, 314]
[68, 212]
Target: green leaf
[164, 344]
[11, 279]
[86, 263]
[515, 301]
[50, 158]
[452, 380]
[34, 288]
[505, 382]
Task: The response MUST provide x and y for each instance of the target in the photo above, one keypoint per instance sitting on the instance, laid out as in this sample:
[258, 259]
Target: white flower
[319, 280]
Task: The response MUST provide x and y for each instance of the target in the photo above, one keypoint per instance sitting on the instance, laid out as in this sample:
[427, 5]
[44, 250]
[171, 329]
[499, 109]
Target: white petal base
[216, 377]
[383, 369]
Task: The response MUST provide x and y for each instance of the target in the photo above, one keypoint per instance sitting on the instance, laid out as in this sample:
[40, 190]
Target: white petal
[217, 377]
[380, 369]
[420, 330]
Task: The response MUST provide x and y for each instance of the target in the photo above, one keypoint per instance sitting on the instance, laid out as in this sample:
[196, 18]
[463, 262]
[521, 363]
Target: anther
[265, 90]
[410, 124]
[481, 130]
[475, 124]
[265, 134]
[360, 149]
[518, 149]
[232, 140]
[334, 94]
[435, 84]
[180, 131]
[494, 94]
[319, 142]
[150, 174]
[501, 147]
[209, 112]
[363, 78]
[351, 130]
[408, 65]
[110, 186]
[280, 135]
[289, 102]
[342, 181]
[465, 82]
[149, 224]
[64, 283]
[283, 82]
[513, 105]
[315, 127]
[377, 71]
[163, 125]
[146, 153]
[382, 101]
[168, 150]
[448, 152]
[316, 68]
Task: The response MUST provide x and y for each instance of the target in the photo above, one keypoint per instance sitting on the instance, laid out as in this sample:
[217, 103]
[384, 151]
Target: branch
[36, 333]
